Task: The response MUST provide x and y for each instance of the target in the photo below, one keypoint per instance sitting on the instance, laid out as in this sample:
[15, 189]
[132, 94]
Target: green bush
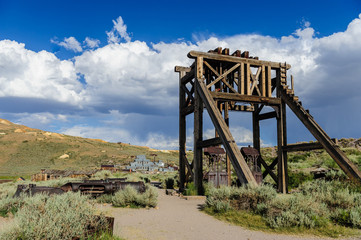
[295, 179]
[190, 190]
[56, 217]
[315, 205]
[102, 174]
[130, 197]
[169, 183]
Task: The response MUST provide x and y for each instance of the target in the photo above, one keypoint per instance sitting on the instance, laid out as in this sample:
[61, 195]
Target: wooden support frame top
[228, 58]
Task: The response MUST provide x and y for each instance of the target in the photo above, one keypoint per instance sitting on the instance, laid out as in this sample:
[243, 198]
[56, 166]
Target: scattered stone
[64, 156]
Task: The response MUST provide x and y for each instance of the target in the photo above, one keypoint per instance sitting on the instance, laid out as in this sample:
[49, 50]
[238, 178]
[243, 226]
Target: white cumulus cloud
[91, 43]
[118, 32]
[25, 73]
[69, 43]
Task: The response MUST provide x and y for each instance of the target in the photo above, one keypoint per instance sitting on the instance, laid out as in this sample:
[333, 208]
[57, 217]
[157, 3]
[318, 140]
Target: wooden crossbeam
[188, 165]
[252, 62]
[305, 146]
[221, 77]
[189, 94]
[210, 142]
[245, 98]
[267, 115]
[270, 169]
[239, 164]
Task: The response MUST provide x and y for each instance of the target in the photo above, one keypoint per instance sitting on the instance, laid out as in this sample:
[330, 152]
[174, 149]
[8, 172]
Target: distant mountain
[24, 151]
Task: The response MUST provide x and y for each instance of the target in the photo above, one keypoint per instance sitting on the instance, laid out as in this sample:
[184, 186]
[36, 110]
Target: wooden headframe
[221, 82]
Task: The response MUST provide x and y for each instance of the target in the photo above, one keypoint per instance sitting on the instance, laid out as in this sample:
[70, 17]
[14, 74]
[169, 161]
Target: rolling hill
[24, 151]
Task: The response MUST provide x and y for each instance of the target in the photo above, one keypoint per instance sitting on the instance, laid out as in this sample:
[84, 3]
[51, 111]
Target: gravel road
[181, 219]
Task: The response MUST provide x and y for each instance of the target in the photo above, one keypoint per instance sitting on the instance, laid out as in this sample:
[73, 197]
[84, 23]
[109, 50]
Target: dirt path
[177, 218]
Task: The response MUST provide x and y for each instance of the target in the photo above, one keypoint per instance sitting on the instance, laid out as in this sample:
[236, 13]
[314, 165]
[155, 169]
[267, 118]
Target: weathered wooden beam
[268, 115]
[198, 130]
[182, 69]
[210, 142]
[252, 62]
[182, 130]
[245, 98]
[239, 164]
[294, 147]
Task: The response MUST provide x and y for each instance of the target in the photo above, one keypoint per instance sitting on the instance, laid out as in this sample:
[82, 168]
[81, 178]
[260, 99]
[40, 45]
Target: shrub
[130, 197]
[190, 190]
[297, 178]
[102, 174]
[56, 217]
[315, 205]
[169, 183]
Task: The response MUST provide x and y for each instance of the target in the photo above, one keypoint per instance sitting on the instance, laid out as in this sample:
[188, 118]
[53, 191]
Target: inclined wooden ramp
[332, 149]
[238, 162]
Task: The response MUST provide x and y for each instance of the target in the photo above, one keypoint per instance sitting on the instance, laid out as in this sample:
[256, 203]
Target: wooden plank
[252, 62]
[236, 97]
[304, 146]
[210, 142]
[239, 164]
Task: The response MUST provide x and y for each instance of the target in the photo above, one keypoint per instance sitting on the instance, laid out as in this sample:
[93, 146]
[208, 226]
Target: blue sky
[105, 69]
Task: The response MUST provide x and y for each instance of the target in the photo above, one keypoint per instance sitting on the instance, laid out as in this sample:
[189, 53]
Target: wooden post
[248, 79]
[182, 135]
[281, 140]
[228, 161]
[198, 131]
[269, 82]
[256, 129]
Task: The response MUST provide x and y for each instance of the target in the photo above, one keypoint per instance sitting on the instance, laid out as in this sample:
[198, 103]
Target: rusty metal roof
[214, 151]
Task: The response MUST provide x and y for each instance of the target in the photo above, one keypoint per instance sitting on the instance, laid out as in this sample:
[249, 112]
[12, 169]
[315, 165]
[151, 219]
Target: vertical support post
[198, 131]
[248, 79]
[269, 81]
[182, 134]
[256, 132]
[263, 81]
[256, 129]
[228, 161]
[281, 140]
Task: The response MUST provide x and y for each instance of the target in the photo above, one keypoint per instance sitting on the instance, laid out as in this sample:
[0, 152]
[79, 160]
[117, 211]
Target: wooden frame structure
[223, 82]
